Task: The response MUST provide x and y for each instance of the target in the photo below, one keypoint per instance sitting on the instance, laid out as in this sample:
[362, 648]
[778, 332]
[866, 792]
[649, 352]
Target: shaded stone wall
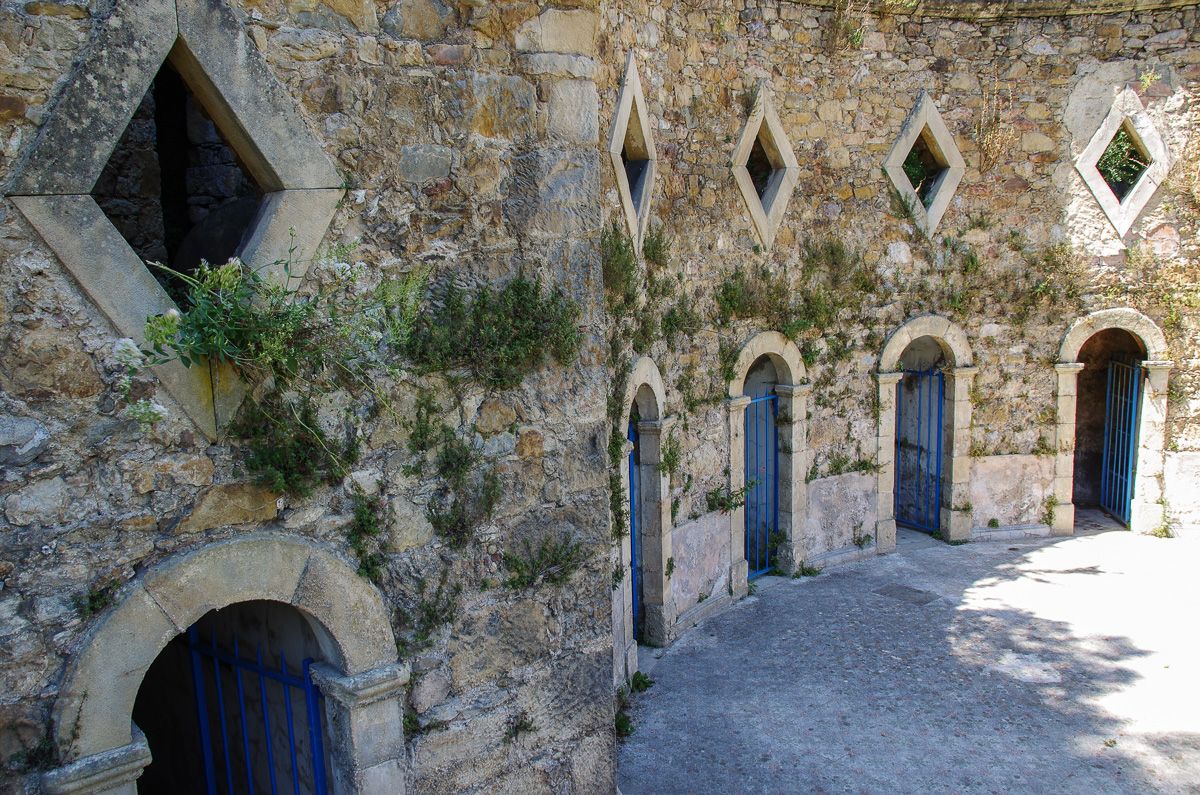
[468, 137]
[1050, 79]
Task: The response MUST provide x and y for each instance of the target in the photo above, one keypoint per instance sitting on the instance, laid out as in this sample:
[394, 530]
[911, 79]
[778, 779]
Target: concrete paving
[1065, 665]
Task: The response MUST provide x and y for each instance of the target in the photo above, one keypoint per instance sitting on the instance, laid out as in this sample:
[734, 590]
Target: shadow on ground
[1032, 667]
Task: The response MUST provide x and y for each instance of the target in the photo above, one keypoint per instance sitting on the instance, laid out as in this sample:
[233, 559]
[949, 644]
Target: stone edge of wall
[983, 10]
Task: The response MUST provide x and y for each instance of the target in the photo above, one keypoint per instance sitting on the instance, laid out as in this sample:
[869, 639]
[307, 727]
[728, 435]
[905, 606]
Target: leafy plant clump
[1122, 163]
[551, 561]
[363, 534]
[431, 611]
[499, 336]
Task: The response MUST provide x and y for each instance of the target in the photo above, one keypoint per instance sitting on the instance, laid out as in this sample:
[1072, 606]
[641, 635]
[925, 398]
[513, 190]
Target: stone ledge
[986, 10]
[1009, 533]
[103, 772]
[843, 555]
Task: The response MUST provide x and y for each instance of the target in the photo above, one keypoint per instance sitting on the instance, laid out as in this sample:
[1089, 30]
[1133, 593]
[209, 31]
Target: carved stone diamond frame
[207, 45]
[1126, 112]
[764, 128]
[925, 123]
[634, 158]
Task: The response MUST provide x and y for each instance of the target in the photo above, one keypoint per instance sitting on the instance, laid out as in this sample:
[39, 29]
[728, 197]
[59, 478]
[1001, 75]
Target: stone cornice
[985, 10]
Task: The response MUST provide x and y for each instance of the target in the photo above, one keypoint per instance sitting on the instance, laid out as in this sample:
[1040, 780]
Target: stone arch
[792, 428]
[653, 522]
[1131, 320]
[646, 387]
[93, 713]
[948, 335]
[784, 354]
[1145, 510]
[955, 517]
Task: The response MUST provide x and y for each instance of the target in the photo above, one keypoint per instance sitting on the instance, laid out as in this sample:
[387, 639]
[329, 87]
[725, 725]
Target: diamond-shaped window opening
[1125, 161]
[764, 167]
[631, 147]
[207, 46]
[174, 187]
[924, 164]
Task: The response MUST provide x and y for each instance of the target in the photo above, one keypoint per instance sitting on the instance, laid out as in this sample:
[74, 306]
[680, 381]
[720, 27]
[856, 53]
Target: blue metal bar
[237, 670]
[221, 711]
[210, 774]
[1109, 427]
[287, 704]
[634, 562]
[774, 476]
[311, 696]
[896, 451]
[266, 713]
[941, 435]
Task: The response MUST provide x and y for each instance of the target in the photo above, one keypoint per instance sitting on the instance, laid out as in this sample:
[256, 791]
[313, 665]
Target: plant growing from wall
[363, 534]
[551, 561]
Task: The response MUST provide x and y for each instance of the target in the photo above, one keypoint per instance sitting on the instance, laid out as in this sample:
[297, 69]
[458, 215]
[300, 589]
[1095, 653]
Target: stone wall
[467, 134]
[1021, 91]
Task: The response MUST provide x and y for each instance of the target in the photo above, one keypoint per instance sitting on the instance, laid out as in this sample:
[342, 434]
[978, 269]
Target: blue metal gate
[634, 540]
[762, 482]
[234, 706]
[1122, 402]
[918, 498]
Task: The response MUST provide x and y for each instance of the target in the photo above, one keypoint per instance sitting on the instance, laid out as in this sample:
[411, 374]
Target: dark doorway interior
[255, 723]
[1090, 408]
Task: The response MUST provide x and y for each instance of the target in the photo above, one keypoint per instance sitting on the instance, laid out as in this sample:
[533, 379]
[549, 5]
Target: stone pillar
[624, 645]
[1063, 489]
[885, 460]
[366, 727]
[738, 568]
[654, 531]
[793, 469]
[1146, 511]
[112, 772]
[956, 522]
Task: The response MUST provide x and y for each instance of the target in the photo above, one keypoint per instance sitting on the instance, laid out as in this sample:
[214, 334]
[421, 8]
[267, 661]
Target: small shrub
[619, 268]
[1048, 507]
[551, 561]
[805, 570]
[364, 529]
[520, 724]
[993, 523]
[431, 611]
[640, 683]
[724, 500]
[670, 455]
[499, 335]
[656, 248]
[99, 597]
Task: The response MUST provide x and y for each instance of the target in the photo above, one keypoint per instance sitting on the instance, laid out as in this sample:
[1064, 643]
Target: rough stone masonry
[483, 140]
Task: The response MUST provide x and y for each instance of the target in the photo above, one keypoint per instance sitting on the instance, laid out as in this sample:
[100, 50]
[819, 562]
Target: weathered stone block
[22, 439]
[417, 19]
[552, 192]
[424, 162]
[230, 504]
[558, 30]
[41, 502]
[573, 109]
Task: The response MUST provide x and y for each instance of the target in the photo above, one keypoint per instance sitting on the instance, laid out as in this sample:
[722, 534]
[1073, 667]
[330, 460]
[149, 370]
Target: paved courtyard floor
[1068, 665]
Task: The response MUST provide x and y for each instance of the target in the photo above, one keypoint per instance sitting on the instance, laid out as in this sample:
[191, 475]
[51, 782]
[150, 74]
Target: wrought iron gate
[1121, 404]
[634, 540]
[235, 701]
[762, 482]
[918, 499]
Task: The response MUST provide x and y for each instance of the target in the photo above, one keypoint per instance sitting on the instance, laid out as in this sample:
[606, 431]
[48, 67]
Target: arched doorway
[768, 458]
[763, 541]
[636, 522]
[1112, 407]
[231, 705]
[922, 455]
[643, 610]
[1107, 411]
[925, 375]
[102, 747]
